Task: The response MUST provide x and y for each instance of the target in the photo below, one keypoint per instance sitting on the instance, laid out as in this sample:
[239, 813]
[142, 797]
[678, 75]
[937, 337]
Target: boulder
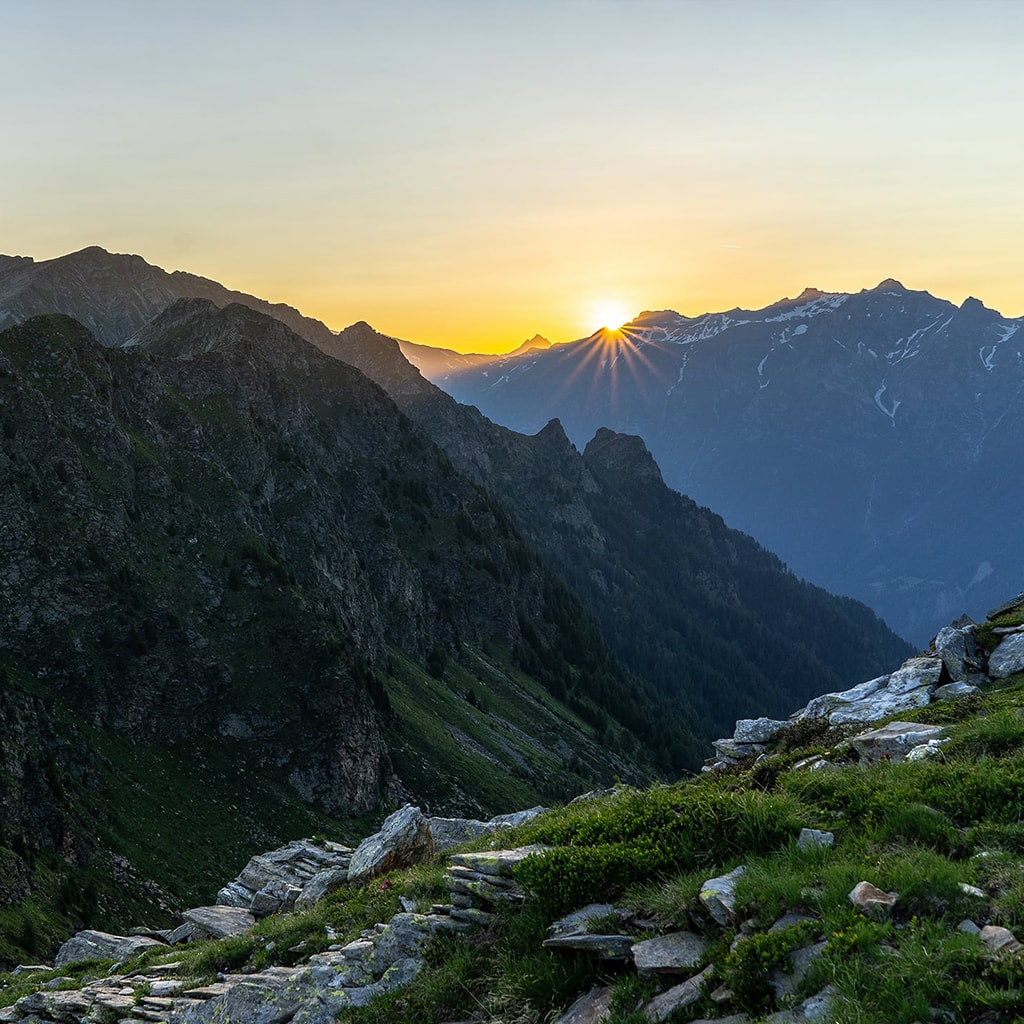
[450, 832]
[784, 983]
[1008, 606]
[894, 741]
[675, 953]
[579, 922]
[94, 945]
[999, 940]
[592, 1007]
[719, 896]
[758, 730]
[320, 885]
[1008, 657]
[872, 901]
[496, 862]
[955, 646]
[960, 688]
[218, 922]
[677, 998]
[812, 838]
[603, 947]
[516, 817]
[404, 840]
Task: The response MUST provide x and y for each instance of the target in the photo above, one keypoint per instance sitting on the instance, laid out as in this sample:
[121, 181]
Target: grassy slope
[915, 828]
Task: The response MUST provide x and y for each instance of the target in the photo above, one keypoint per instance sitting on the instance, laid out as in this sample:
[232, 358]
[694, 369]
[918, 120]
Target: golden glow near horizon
[610, 313]
[443, 171]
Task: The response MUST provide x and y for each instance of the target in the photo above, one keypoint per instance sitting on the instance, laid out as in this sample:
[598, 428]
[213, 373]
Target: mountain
[439, 362]
[851, 433]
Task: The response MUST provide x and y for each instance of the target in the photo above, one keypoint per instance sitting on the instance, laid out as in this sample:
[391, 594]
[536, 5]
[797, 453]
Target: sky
[468, 173]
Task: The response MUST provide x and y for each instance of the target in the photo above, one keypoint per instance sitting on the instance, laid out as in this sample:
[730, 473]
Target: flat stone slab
[677, 998]
[592, 1007]
[579, 921]
[603, 947]
[895, 740]
[719, 896]
[496, 862]
[220, 922]
[675, 953]
[872, 901]
[94, 945]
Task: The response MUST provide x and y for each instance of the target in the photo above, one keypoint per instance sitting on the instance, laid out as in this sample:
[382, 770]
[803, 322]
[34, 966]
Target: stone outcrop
[404, 840]
[895, 741]
[274, 881]
[94, 945]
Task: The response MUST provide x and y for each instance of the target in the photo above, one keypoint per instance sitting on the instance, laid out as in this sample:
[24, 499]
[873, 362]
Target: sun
[609, 313]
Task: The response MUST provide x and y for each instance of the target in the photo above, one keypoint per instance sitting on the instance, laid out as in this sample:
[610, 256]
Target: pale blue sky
[470, 173]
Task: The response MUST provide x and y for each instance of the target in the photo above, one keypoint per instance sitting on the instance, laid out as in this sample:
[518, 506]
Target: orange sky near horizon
[469, 174]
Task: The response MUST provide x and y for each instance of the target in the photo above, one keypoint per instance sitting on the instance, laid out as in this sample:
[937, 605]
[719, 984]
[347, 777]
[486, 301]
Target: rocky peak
[621, 460]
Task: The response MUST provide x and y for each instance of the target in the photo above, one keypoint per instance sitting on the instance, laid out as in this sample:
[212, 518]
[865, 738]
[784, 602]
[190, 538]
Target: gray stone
[923, 751]
[677, 998]
[758, 730]
[894, 741]
[872, 901]
[593, 1007]
[822, 706]
[955, 646]
[324, 882]
[789, 920]
[496, 862]
[450, 832]
[812, 838]
[999, 939]
[675, 953]
[94, 945]
[729, 748]
[517, 817]
[603, 947]
[815, 1008]
[719, 896]
[580, 921]
[785, 983]
[404, 840]
[1008, 606]
[968, 926]
[218, 922]
[1007, 658]
[960, 688]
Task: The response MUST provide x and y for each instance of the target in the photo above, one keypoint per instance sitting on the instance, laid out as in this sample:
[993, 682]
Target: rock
[999, 939]
[790, 919]
[1008, 657]
[812, 838]
[675, 953]
[730, 749]
[823, 706]
[592, 1007]
[972, 890]
[894, 741]
[872, 901]
[94, 945]
[814, 1008]
[580, 921]
[324, 882]
[955, 646]
[968, 926]
[958, 689]
[404, 840]
[758, 730]
[218, 922]
[603, 947]
[676, 998]
[814, 763]
[785, 983]
[496, 862]
[1008, 606]
[450, 832]
[517, 817]
[719, 896]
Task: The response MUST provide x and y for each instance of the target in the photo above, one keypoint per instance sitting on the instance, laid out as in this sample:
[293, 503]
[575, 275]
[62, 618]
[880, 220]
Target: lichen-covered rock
[95, 945]
[1008, 657]
[675, 953]
[758, 730]
[218, 922]
[895, 740]
[593, 1007]
[677, 998]
[719, 896]
[956, 647]
[872, 901]
[403, 840]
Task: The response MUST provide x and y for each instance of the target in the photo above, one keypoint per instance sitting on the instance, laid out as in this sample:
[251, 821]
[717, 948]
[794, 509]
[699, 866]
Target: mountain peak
[890, 284]
[621, 459]
[538, 341]
[809, 295]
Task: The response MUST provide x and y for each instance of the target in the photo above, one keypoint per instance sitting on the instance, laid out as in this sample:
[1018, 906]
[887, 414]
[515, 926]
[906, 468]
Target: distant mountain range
[870, 439]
